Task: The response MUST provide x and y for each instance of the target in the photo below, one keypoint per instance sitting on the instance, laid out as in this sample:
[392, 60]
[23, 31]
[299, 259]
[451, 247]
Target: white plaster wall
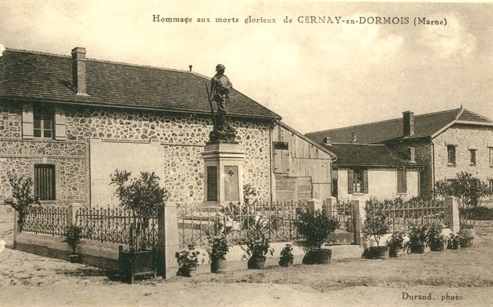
[382, 184]
[106, 157]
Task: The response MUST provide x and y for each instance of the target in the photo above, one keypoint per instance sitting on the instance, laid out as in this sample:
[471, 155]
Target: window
[43, 122]
[44, 181]
[281, 145]
[357, 181]
[472, 153]
[401, 180]
[451, 154]
[491, 185]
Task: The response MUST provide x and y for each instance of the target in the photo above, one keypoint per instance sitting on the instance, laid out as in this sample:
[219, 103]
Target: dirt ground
[457, 278]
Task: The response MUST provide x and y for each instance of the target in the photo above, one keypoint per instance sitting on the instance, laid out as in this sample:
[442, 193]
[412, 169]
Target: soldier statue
[220, 88]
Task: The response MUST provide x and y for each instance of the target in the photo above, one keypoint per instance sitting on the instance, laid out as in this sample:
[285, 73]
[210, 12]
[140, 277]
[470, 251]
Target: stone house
[372, 170]
[444, 143]
[70, 121]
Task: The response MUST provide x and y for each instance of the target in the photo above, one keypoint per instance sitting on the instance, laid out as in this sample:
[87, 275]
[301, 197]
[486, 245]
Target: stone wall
[182, 136]
[10, 121]
[465, 138]
[18, 157]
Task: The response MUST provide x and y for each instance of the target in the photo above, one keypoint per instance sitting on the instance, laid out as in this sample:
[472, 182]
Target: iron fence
[46, 219]
[402, 215]
[197, 224]
[114, 225]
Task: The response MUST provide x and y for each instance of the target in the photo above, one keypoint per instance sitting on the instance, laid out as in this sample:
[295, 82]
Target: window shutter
[27, 121]
[60, 128]
[365, 181]
[350, 183]
[401, 180]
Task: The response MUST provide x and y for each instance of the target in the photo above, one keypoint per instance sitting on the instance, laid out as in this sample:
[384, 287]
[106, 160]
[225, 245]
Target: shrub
[219, 248]
[187, 259]
[73, 236]
[468, 189]
[314, 227]
[22, 198]
[143, 196]
[375, 224]
[257, 243]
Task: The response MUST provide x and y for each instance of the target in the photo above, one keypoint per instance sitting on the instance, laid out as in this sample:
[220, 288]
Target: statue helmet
[220, 67]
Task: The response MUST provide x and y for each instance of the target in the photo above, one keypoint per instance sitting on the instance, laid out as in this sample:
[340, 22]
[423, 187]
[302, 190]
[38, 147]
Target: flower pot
[394, 252]
[285, 262]
[453, 244]
[376, 252]
[137, 263]
[75, 258]
[218, 265]
[468, 231]
[318, 256]
[438, 246]
[187, 272]
[256, 262]
[467, 242]
[417, 249]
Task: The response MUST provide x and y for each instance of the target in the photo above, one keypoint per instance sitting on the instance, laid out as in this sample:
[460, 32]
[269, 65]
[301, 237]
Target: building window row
[473, 155]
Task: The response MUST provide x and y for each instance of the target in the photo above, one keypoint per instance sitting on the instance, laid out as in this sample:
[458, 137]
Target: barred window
[44, 181]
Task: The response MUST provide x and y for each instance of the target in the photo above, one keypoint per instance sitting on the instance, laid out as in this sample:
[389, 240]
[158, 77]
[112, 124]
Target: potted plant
[143, 197]
[315, 227]
[454, 241]
[287, 257]
[187, 261]
[257, 247]
[73, 236]
[435, 239]
[375, 226]
[395, 244]
[417, 239]
[470, 191]
[217, 253]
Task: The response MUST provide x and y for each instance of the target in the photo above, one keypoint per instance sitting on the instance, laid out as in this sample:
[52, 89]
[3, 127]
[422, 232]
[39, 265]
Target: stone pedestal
[223, 173]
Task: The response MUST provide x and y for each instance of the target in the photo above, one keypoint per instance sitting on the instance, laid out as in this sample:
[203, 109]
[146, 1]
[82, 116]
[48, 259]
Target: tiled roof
[368, 155]
[48, 77]
[425, 125]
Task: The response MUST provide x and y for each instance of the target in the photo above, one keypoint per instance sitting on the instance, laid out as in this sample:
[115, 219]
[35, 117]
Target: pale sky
[316, 76]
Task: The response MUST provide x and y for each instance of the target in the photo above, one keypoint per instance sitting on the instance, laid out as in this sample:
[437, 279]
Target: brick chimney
[79, 71]
[408, 123]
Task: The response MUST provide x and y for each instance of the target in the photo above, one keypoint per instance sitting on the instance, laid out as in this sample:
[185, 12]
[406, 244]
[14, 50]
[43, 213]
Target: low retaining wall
[484, 228]
[104, 255]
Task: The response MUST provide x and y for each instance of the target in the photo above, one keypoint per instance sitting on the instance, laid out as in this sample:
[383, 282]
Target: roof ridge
[483, 117]
[37, 52]
[378, 122]
[353, 126]
[99, 60]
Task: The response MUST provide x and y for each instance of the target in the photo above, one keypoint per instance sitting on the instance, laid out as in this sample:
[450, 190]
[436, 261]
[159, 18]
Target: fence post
[453, 206]
[72, 213]
[313, 205]
[16, 230]
[359, 216]
[331, 203]
[168, 243]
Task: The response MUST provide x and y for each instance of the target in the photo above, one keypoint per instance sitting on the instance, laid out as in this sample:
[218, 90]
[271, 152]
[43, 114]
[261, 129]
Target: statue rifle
[212, 109]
